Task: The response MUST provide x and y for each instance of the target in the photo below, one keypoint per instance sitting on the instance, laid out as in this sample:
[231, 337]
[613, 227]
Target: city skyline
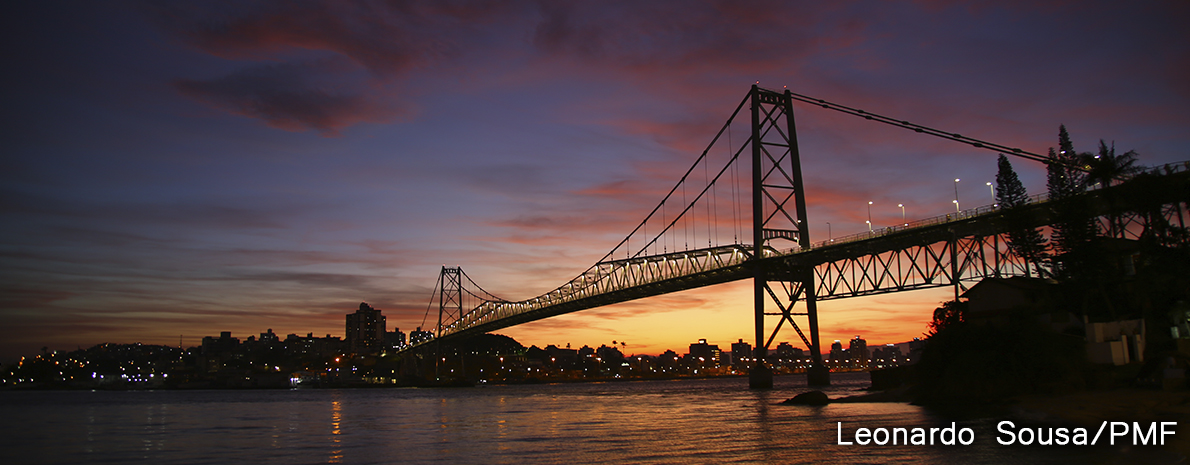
[178, 170]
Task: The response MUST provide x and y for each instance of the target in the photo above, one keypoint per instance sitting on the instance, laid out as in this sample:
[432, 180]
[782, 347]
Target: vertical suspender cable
[707, 178]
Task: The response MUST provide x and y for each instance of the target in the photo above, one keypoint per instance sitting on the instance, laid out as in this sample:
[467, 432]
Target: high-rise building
[741, 354]
[704, 354]
[859, 352]
[837, 353]
[365, 330]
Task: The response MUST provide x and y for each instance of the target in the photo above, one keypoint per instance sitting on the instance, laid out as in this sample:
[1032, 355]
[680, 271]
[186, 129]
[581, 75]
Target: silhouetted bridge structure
[950, 250]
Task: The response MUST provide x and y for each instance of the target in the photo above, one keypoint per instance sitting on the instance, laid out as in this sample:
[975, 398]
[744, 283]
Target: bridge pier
[818, 375]
[760, 377]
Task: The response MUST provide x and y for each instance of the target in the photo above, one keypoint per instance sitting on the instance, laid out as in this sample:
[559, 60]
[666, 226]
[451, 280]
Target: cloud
[387, 38]
[318, 65]
[658, 46]
[284, 96]
[684, 37]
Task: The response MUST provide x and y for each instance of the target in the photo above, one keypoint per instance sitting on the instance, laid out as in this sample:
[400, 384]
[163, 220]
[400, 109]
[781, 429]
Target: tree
[1071, 230]
[950, 314]
[1063, 177]
[1106, 168]
[1024, 240]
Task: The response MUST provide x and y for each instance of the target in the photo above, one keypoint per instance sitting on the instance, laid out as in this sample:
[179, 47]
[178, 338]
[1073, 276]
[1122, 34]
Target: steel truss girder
[1138, 225]
[919, 266]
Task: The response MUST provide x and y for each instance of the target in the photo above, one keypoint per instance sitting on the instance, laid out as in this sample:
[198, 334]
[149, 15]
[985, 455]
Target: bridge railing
[922, 223]
[1167, 169]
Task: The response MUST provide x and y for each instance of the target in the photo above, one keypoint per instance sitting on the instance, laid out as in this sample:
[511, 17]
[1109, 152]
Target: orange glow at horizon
[723, 314]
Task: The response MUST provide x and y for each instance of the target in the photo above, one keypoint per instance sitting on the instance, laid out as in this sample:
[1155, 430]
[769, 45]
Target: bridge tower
[779, 213]
[450, 306]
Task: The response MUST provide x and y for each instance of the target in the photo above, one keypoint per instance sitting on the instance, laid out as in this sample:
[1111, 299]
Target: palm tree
[1106, 168]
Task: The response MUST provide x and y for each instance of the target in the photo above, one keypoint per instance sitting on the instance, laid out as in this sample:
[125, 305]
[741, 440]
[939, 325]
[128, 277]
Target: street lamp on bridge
[869, 216]
[956, 196]
[906, 223]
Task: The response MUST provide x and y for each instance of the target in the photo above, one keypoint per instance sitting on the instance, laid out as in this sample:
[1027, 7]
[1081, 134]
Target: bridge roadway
[623, 280]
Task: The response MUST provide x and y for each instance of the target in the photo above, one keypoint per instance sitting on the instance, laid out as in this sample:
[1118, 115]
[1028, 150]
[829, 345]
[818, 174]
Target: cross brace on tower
[776, 181]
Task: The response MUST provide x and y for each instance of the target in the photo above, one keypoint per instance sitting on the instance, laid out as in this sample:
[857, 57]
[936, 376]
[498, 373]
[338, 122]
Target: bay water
[672, 421]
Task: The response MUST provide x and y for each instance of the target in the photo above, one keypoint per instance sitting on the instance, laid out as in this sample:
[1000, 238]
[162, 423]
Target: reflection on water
[688, 421]
[336, 418]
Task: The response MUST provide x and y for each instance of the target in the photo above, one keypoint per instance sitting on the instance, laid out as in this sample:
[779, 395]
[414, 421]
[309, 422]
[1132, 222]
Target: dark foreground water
[686, 421]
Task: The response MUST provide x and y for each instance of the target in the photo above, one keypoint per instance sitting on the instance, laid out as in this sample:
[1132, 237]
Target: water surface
[682, 421]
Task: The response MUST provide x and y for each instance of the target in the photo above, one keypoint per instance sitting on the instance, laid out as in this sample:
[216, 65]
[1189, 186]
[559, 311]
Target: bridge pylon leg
[818, 374]
[760, 376]
[777, 174]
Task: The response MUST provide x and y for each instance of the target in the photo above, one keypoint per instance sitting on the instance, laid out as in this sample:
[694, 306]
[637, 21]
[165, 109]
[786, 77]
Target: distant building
[365, 330]
[268, 337]
[916, 347]
[741, 353]
[224, 343]
[217, 351]
[858, 349]
[418, 336]
[315, 347]
[609, 354]
[394, 339]
[586, 352]
[788, 354]
[887, 356]
[704, 354]
[562, 357]
[837, 353]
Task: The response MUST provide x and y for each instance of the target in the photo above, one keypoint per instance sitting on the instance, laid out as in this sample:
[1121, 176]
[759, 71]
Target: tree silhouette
[1105, 168]
[1071, 232]
[950, 314]
[1025, 241]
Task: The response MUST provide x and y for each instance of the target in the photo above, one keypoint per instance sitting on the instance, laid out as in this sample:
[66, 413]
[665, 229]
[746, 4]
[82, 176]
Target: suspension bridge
[698, 235]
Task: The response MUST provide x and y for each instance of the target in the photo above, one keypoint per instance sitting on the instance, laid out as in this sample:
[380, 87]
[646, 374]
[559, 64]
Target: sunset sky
[185, 168]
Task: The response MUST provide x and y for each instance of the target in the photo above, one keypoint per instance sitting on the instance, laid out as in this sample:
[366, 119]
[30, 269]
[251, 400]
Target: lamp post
[869, 216]
[992, 189]
[956, 196]
[906, 223]
[829, 236]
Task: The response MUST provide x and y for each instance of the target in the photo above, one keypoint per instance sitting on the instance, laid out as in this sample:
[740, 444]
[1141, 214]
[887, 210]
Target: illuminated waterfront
[682, 421]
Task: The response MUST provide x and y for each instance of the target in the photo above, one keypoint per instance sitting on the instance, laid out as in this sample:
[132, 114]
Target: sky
[171, 170]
